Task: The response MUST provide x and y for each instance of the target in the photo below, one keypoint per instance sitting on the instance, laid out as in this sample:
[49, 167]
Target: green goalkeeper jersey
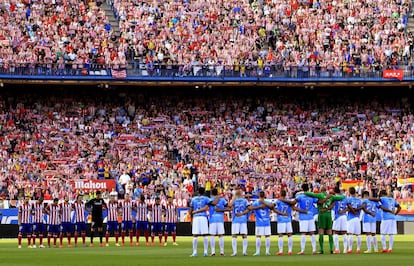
[327, 203]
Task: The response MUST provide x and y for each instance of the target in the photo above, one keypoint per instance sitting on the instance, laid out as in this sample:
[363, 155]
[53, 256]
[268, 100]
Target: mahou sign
[90, 185]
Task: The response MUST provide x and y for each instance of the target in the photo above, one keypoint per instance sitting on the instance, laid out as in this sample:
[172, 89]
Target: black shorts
[97, 223]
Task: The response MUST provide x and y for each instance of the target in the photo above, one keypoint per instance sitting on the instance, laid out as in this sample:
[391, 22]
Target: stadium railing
[205, 72]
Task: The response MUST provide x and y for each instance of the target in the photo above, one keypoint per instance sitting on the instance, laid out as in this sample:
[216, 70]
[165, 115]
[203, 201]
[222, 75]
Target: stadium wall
[184, 229]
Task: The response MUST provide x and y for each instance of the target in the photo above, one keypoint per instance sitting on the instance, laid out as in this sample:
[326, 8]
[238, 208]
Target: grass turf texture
[179, 255]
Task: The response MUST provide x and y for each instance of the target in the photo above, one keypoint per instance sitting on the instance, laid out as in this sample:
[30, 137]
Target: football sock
[212, 244]
[313, 241]
[245, 243]
[267, 240]
[375, 241]
[368, 243]
[321, 242]
[258, 240]
[234, 244]
[221, 244]
[331, 246]
[350, 242]
[336, 241]
[358, 242]
[384, 242]
[345, 239]
[205, 244]
[280, 244]
[303, 243]
[195, 242]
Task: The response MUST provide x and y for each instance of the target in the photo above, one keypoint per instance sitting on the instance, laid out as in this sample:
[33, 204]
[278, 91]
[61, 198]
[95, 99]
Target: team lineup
[208, 219]
[163, 220]
[336, 215]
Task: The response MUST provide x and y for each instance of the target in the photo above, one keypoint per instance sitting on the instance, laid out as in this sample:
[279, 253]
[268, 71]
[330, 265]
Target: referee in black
[95, 206]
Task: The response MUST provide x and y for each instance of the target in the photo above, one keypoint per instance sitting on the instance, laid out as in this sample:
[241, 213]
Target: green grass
[179, 255]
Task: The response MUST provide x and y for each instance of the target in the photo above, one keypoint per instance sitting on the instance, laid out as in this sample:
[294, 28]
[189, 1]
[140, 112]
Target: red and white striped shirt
[126, 210]
[79, 212]
[66, 212]
[142, 211]
[112, 211]
[170, 214]
[157, 213]
[38, 212]
[54, 214]
[25, 211]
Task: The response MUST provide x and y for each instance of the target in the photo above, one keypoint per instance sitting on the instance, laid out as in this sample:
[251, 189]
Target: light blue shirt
[355, 203]
[217, 217]
[390, 204]
[340, 205]
[198, 203]
[284, 207]
[240, 205]
[262, 215]
[372, 206]
[306, 203]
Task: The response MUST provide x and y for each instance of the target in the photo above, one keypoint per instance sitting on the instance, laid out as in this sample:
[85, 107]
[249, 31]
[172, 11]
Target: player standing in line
[369, 221]
[198, 209]
[390, 208]
[96, 206]
[354, 224]
[25, 222]
[339, 226]
[325, 205]
[53, 211]
[261, 210]
[142, 220]
[80, 219]
[238, 205]
[156, 214]
[66, 221]
[126, 207]
[216, 228]
[170, 226]
[112, 226]
[284, 222]
[306, 219]
[38, 220]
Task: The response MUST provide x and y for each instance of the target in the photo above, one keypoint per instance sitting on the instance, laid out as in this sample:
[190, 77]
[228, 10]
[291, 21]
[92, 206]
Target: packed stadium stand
[168, 141]
[278, 38]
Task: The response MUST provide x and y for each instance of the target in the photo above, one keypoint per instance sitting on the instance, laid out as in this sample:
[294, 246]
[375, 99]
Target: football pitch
[403, 254]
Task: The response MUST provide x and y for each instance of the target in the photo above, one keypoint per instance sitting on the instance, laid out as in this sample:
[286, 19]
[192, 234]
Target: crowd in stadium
[63, 36]
[300, 38]
[169, 146]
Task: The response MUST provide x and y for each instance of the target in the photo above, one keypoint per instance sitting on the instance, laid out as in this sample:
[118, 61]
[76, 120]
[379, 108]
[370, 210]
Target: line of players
[208, 219]
[161, 218]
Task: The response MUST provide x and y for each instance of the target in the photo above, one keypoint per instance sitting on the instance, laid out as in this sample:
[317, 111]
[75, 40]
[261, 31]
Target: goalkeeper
[325, 204]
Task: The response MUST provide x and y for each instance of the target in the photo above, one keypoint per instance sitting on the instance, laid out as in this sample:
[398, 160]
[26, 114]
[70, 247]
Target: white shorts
[263, 231]
[354, 226]
[200, 225]
[239, 228]
[369, 228]
[216, 229]
[340, 224]
[284, 228]
[388, 227]
[307, 226]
